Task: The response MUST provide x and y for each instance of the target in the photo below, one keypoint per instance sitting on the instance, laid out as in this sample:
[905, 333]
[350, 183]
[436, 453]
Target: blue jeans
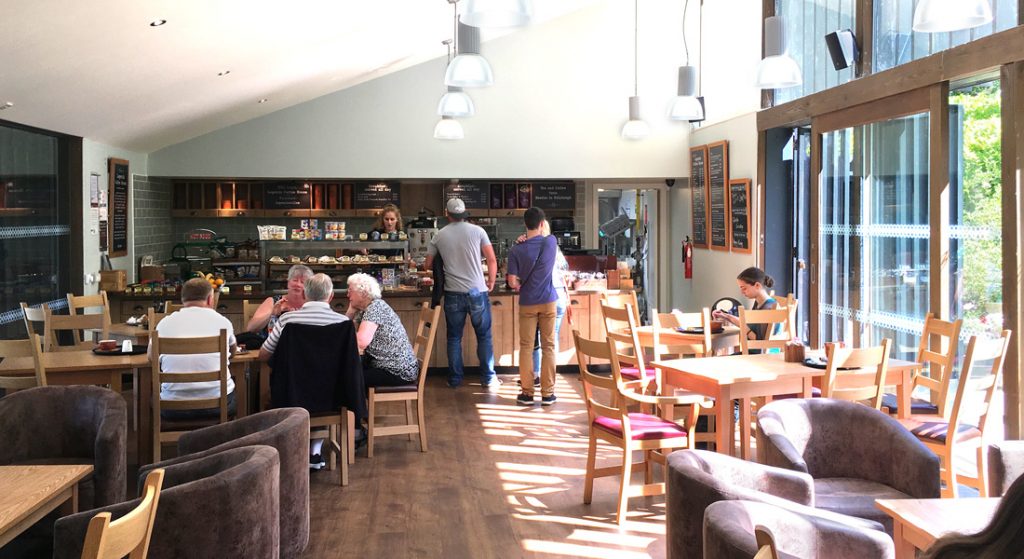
[559, 315]
[478, 307]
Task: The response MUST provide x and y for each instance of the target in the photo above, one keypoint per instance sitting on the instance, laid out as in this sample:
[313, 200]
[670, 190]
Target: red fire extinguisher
[688, 258]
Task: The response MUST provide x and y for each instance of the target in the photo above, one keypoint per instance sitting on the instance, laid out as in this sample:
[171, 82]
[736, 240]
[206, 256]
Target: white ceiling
[97, 69]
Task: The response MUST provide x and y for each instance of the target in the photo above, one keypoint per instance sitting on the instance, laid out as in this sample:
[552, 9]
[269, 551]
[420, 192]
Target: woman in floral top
[388, 359]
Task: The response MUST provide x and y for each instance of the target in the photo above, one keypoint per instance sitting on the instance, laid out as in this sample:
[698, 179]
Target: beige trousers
[530, 318]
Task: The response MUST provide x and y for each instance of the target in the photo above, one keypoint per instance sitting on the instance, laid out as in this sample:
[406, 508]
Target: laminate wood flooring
[499, 480]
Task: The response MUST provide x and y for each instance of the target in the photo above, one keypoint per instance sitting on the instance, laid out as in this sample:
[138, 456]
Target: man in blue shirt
[530, 265]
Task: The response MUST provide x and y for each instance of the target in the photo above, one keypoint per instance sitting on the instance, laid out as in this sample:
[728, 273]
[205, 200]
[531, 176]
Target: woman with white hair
[266, 315]
[388, 359]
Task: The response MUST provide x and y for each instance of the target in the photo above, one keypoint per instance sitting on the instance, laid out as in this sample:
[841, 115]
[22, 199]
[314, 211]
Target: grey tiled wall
[152, 217]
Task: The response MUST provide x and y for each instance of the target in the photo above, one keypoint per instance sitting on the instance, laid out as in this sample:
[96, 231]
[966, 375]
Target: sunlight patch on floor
[575, 550]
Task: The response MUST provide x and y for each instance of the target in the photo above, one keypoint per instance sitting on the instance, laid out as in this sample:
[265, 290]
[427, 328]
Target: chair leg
[648, 467]
[346, 439]
[408, 415]
[371, 405]
[423, 425]
[627, 471]
[588, 481]
[351, 432]
[332, 438]
[949, 475]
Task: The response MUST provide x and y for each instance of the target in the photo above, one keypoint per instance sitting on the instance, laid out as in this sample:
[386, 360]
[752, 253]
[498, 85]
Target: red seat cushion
[643, 427]
[633, 373]
[937, 429]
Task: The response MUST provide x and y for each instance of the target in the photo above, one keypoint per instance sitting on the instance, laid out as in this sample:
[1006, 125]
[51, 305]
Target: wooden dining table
[726, 340]
[745, 377]
[30, 492]
[918, 523]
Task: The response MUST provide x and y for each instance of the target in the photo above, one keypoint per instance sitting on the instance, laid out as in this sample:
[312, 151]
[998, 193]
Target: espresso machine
[569, 241]
[420, 231]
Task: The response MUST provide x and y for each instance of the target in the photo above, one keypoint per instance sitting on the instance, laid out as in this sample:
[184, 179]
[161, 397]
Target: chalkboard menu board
[475, 196]
[554, 195]
[739, 212]
[718, 199]
[376, 195]
[699, 195]
[118, 200]
[286, 196]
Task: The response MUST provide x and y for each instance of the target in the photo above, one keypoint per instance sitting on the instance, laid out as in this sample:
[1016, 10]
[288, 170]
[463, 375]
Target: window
[806, 25]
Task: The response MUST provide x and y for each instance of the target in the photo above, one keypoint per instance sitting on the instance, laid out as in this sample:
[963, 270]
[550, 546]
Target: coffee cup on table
[107, 345]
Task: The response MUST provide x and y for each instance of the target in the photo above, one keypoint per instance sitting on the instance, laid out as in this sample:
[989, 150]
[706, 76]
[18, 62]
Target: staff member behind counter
[389, 221]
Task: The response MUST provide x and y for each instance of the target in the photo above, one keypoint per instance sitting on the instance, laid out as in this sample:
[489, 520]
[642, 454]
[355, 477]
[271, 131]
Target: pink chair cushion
[643, 427]
[634, 373]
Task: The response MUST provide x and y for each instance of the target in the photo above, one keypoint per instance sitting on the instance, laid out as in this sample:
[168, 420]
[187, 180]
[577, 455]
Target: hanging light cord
[455, 27]
[700, 51]
[686, 48]
[636, 11]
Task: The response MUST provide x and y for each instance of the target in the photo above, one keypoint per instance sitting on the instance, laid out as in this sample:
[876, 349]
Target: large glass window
[806, 25]
[895, 43]
[874, 233]
[34, 231]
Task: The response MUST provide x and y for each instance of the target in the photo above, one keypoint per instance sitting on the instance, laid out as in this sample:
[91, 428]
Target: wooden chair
[186, 346]
[422, 346]
[172, 306]
[773, 320]
[682, 320]
[130, 534]
[75, 323]
[23, 348]
[857, 374]
[944, 336]
[620, 324]
[338, 430]
[789, 303]
[614, 424]
[934, 430]
[153, 318]
[621, 300]
[35, 319]
[248, 311]
[765, 543]
[83, 302]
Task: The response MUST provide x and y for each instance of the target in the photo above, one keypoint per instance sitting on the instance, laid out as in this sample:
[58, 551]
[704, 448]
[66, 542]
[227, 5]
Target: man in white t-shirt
[196, 319]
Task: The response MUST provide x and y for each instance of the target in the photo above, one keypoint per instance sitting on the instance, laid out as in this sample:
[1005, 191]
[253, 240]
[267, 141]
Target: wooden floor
[499, 480]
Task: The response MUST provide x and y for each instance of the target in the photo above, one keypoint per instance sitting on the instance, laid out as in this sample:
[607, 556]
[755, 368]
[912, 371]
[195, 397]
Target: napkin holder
[794, 352]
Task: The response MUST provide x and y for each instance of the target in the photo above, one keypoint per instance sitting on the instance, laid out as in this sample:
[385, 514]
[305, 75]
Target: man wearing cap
[462, 245]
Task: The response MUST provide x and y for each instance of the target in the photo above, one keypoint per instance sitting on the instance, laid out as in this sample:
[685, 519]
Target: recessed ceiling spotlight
[157, 22]
[6, 105]
[264, 100]
[224, 73]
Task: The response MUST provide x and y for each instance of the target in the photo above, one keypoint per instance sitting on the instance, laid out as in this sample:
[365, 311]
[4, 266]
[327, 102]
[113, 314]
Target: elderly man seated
[197, 318]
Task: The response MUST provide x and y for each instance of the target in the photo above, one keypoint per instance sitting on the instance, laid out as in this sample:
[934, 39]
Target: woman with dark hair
[1003, 537]
[754, 284]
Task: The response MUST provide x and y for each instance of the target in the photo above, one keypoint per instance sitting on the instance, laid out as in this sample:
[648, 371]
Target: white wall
[714, 272]
[731, 47]
[94, 160]
[556, 110]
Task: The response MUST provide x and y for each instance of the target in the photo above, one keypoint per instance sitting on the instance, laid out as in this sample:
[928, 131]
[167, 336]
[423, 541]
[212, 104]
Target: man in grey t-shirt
[461, 246]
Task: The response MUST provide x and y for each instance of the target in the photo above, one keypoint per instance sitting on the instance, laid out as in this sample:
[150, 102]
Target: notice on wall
[554, 195]
[739, 214]
[287, 196]
[699, 195]
[718, 198]
[118, 200]
[475, 196]
[376, 195]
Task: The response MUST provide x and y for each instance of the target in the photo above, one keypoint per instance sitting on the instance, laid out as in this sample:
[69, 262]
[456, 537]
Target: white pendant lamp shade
[456, 103]
[498, 13]
[468, 68]
[448, 129]
[939, 16]
[686, 106]
[635, 128]
[777, 69]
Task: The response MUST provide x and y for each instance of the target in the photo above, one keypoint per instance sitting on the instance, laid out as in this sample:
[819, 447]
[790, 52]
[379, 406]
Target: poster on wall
[699, 195]
[118, 202]
[718, 194]
[739, 215]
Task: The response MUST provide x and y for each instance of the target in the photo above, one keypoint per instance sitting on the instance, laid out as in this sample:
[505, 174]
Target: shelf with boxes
[385, 260]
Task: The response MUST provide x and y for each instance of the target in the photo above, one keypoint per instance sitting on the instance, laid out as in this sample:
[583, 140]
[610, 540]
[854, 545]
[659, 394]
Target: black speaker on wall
[842, 46]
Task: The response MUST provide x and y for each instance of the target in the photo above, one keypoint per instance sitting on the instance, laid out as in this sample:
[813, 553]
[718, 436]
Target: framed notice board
[718, 198]
[287, 196]
[118, 200]
[376, 195]
[699, 195]
[476, 196]
[739, 215]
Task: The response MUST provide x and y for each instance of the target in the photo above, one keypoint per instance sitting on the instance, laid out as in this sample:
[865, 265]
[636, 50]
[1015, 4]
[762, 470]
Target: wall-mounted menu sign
[475, 196]
[699, 195]
[718, 206]
[376, 195]
[286, 196]
[739, 213]
[554, 195]
[118, 228]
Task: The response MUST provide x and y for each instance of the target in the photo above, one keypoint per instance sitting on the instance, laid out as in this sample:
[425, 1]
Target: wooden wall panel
[1012, 83]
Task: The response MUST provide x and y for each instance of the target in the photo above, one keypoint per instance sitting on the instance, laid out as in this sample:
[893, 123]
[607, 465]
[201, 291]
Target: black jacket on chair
[318, 368]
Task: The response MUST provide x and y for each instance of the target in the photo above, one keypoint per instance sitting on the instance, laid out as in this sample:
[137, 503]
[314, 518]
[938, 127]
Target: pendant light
[686, 106]
[468, 68]
[455, 102]
[939, 16]
[777, 69]
[635, 128]
[498, 13]
[448, 129]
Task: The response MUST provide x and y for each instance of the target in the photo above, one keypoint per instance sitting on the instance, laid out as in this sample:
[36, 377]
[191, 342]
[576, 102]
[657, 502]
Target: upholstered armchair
[222, 505]
[855, 454]
[285, 429]
[1005, 465]
[69, 425]
[808, 534]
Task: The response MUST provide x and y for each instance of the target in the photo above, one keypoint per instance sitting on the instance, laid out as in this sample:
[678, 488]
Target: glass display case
[385, 260]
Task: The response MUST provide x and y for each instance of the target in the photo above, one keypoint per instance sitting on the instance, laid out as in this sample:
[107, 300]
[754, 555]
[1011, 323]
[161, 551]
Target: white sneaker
[493, 384]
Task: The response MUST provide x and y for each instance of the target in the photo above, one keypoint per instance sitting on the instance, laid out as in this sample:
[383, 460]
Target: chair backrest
[621, 300]
[83, 302]
[189, 346]
[172, 306]
[35, 318]
[130, 534]
[588, 351]
[857, 374]
[153, 318]
[423, 338]
[675, 320]
[23, 348]
[75, 323]
[937, 351]
[624, 341]
[765, 543]
[248, 311]
[979, 350]
[770, 318]
[789, 302]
